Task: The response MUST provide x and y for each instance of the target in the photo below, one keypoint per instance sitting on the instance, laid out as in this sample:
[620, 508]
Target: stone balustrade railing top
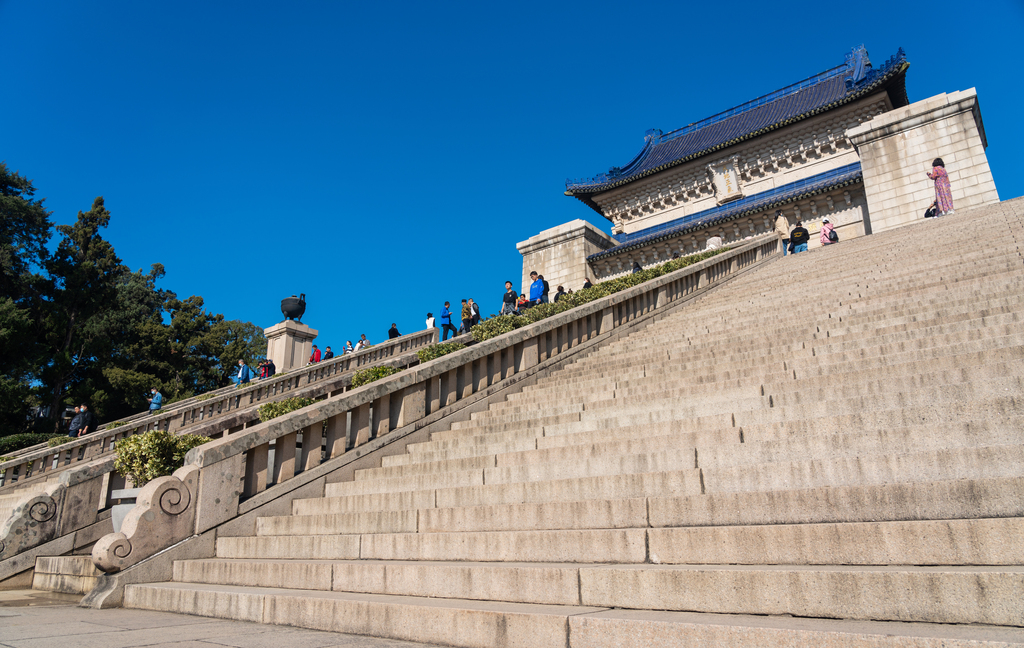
[36, 462]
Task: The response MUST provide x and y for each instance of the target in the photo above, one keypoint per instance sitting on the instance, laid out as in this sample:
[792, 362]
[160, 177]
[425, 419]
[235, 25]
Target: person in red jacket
[315, 357]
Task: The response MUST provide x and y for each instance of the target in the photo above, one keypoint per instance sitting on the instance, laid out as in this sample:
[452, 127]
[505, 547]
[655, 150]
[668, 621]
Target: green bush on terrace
[437, 350]
[15, 442]
[504, 323]
[268, 411]
[367, 376]
[144, 457]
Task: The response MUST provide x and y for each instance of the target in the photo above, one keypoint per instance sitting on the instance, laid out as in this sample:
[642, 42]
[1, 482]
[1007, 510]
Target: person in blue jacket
[244, 375]
[155, 401]
[446, 322]
[536, 288]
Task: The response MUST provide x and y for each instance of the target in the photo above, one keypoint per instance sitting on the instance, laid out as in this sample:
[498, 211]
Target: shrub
[367, 376]
[437, 350]
[141, 458]
[273, 410]
[505, 323]
[59, 440]
[116, 424]
[23, 440]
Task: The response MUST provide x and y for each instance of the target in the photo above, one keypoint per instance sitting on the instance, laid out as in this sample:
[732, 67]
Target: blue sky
[385, 157]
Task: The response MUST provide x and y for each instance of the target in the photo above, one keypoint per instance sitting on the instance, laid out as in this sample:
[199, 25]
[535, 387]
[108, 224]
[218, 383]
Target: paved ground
[31, 619]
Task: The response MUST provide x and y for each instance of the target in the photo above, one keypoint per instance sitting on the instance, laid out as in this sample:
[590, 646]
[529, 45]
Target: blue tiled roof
[822, 92]
[843, 176]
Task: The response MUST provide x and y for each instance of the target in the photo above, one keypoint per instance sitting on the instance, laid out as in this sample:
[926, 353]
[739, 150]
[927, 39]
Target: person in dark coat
[76, 423]
[393, 331]
[87, 423]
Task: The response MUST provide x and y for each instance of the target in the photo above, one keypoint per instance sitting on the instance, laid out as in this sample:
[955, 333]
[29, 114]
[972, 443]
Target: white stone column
[289, 344]
[897, 148]
[560, 254]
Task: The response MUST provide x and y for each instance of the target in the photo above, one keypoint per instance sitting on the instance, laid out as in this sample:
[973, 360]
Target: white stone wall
[897, 149]
[560, 254]
[845, 207]
[805, 149]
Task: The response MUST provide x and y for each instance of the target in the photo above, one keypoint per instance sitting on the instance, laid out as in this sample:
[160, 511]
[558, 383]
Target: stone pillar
[289, 344]
[897, 148]
[560, 254]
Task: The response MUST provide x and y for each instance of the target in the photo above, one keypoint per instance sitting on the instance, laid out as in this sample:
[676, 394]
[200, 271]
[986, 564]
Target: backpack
[833, 237]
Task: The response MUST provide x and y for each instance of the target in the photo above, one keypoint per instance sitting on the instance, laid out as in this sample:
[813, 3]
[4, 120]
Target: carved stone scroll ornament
[32, 522]
[163, 516]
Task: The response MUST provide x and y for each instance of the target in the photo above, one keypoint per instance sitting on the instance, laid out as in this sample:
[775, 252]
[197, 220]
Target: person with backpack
[828, 233]
[467, 317]
[536, 288]
[474, 310]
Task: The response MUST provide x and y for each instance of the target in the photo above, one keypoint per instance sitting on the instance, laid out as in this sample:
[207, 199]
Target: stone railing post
[164, 515]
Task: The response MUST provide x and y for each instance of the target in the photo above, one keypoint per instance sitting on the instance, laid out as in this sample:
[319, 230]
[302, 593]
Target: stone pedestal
[897, 148]
[289, 344]
[560, 254]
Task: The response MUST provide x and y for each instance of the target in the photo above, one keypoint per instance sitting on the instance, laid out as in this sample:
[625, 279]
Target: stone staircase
[827, 451]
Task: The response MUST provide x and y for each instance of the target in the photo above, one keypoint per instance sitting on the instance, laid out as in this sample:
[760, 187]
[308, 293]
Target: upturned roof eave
[880, 85]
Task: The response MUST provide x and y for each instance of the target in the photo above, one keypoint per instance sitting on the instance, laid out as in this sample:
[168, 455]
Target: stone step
[564, 584]
[931, 500]
[65, 574]
[667, 354]
[966, 542]
[716, 447]
[450, 622]
[804, 361]
[985, 595]
[643, 628]
[1003, 310]
[480, 624]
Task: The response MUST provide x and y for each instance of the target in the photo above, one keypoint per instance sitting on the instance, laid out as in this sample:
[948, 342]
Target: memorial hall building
[846, 144]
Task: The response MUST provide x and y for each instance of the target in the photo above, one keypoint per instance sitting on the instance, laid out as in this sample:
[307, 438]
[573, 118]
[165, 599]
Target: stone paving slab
[33, 619]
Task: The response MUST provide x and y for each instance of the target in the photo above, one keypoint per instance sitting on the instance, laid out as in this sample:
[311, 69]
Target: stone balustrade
[72, 485]
[236, 473]
[37, 463]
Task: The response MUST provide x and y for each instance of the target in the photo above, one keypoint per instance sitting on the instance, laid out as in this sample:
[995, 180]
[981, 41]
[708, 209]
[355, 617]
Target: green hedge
[273, 410]
[144, 457]
[366, 376]
[504, 323]
[16, 442]
[435, 351]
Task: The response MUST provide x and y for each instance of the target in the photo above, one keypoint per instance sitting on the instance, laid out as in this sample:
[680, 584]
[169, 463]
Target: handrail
[41, 459]
[273, 453]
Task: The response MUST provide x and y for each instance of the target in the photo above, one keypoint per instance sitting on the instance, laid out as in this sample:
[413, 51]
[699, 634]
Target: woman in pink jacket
[943, 193]
[826, 230]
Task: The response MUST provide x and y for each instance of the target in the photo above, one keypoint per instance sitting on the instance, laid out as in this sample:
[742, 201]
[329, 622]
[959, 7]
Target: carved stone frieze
[32, 522]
